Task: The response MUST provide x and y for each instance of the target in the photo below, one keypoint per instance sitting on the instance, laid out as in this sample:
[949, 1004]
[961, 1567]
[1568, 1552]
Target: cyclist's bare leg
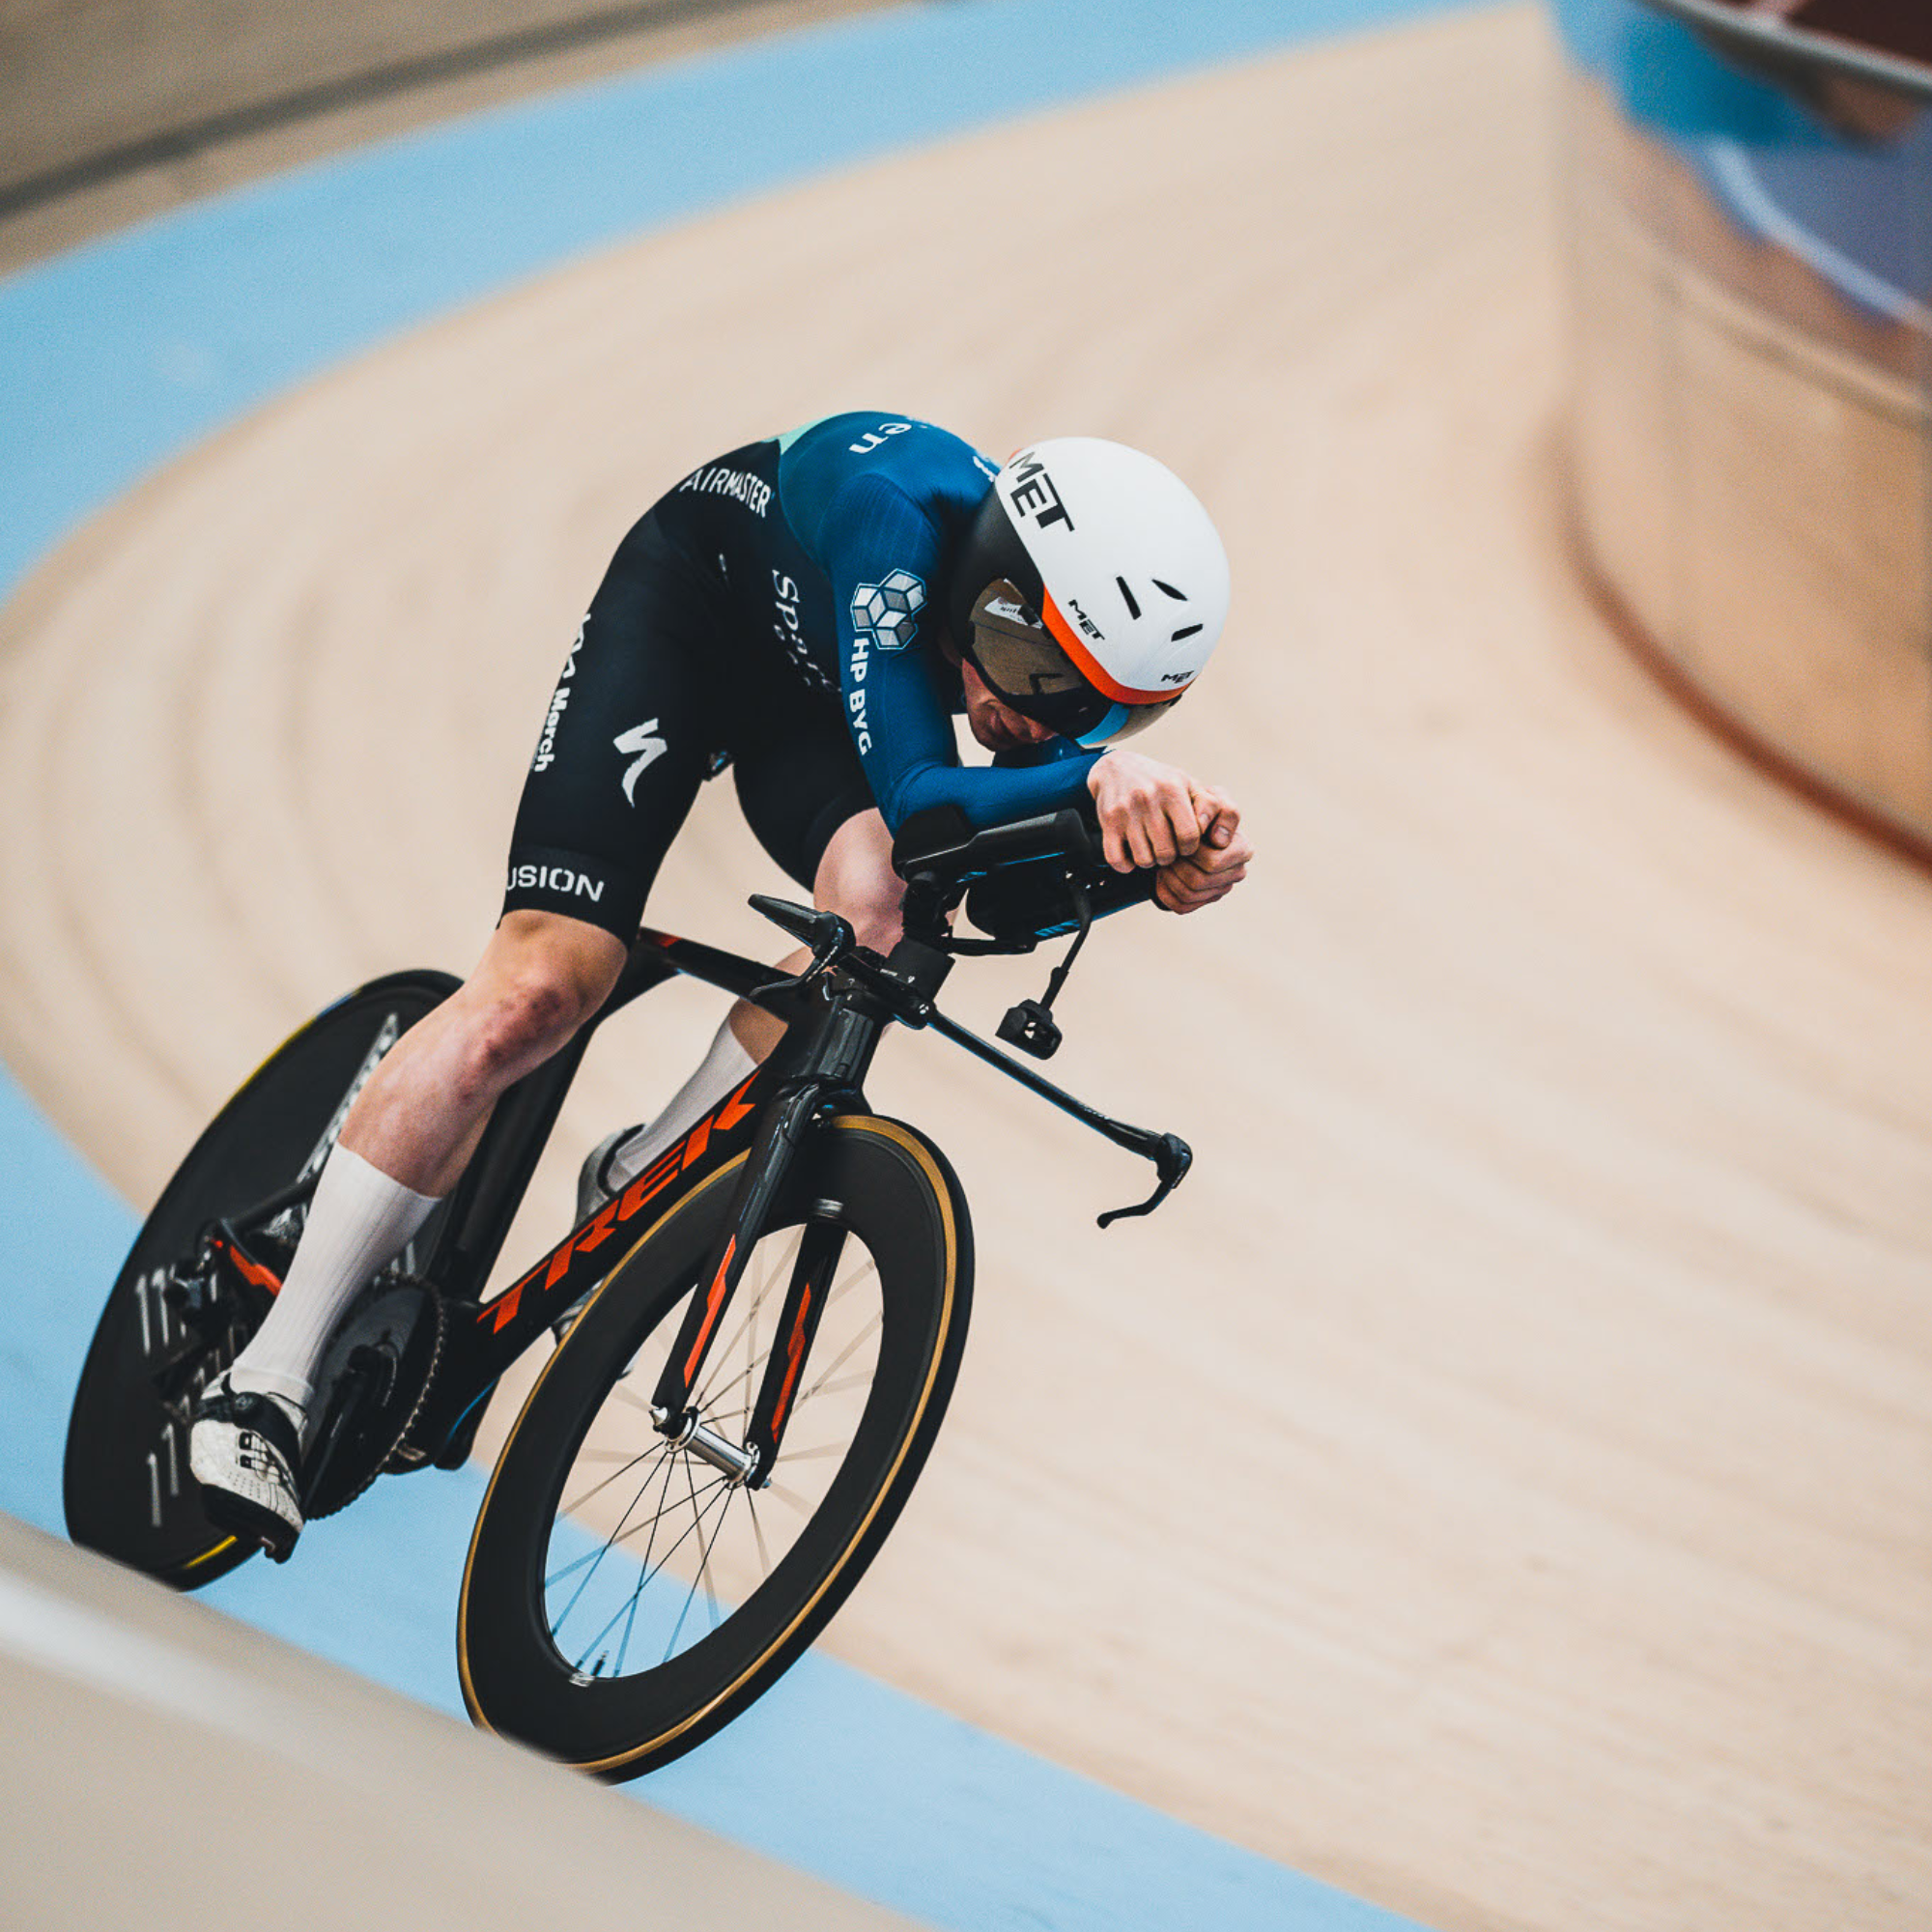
[415, 1126]
[855, 878]
[422, 1113]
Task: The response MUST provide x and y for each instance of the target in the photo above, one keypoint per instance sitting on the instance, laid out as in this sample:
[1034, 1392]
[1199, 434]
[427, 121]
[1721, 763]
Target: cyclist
[809, 611]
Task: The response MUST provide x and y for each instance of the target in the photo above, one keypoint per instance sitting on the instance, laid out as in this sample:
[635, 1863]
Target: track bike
[758, 1335]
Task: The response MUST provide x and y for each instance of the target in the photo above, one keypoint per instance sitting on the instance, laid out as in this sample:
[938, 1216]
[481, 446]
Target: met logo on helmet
[1033, 494]
[1086, 622]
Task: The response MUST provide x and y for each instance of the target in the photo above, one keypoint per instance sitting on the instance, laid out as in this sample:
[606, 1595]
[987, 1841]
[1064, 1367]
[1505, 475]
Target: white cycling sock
[721, 1069]
[359, 1221]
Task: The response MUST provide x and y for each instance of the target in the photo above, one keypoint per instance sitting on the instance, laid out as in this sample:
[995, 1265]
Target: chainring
[378, 1369]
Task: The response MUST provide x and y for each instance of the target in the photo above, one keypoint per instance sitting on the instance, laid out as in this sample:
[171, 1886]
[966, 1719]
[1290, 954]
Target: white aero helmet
[1091, 588]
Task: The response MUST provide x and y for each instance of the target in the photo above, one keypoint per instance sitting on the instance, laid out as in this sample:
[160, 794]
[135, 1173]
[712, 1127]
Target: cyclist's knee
[856, 880]
[525, 1017]
[876, 926]
[540, 979]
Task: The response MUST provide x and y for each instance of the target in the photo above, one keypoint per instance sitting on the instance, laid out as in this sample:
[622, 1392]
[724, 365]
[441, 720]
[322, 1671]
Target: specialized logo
[1034, 495]
[640, 742]
[740, 485]
[559, 700]
[565, 879]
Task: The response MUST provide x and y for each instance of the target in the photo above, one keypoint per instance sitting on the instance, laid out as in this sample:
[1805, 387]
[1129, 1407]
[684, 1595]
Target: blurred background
[1747, 196]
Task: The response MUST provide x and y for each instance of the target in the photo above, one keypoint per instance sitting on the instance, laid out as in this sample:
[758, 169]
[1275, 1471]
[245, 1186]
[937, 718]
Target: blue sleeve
[883, 556]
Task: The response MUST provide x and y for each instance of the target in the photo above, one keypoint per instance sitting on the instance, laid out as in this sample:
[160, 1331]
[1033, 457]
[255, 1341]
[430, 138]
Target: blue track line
[125, 353]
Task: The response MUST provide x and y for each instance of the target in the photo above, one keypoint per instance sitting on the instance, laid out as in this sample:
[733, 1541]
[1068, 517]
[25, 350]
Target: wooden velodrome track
[1498, 1483]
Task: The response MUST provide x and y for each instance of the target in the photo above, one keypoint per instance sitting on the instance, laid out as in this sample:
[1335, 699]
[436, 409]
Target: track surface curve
[1497, 1484]
[289, 1758]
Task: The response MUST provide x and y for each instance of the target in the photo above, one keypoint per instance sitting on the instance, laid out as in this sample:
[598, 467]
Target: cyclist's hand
[1151, 814]
[1213, 870]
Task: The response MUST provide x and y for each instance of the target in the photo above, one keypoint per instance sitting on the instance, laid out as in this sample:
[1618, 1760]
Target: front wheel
[625, 1596]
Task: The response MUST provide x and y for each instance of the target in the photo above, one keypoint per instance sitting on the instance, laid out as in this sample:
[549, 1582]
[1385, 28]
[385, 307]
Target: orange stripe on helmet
[1068, 640]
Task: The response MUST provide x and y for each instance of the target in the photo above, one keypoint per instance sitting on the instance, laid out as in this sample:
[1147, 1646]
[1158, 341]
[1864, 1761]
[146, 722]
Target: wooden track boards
[1497, 1483]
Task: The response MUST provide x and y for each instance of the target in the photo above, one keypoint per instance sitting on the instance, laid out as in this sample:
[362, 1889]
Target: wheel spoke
[867, 1270]
[748, 1319]
[791, 1496]
[703, 1566]
[627, 1607]
[702, 1502]
[792, 1454]
[576, 1505]
[861, 1380]
[673, 1570]
[710, 1403]
[630, 1628]
[552, 1578]
[758, 1531]
[840, 1360]
[704, 1558]
[610, 1544]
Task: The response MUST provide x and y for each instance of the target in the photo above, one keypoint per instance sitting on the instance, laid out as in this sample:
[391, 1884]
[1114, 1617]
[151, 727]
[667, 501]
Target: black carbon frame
[486, 1336]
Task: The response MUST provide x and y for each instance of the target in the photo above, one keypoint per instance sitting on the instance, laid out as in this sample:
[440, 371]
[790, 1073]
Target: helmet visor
[1026, 667]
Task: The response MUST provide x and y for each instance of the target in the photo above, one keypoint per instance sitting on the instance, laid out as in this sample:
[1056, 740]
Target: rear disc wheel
[126, 1484]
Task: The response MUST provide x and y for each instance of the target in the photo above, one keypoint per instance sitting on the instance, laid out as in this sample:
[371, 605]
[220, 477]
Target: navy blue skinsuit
[781, 611]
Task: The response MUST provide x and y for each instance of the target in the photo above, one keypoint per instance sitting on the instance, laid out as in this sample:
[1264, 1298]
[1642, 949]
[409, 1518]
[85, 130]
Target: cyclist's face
[993, 722]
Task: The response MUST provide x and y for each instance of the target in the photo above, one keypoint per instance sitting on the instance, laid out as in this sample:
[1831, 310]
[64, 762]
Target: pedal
[376, 1373]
